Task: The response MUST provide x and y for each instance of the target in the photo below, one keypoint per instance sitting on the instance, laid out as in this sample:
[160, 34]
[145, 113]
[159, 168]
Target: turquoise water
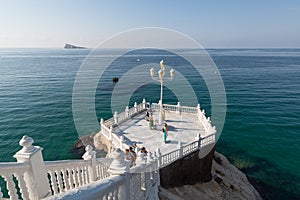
[261, 132]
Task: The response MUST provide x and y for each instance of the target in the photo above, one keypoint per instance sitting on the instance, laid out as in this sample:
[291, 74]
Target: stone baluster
[203, 117]
[127, 112]
[110, 133]
[36, 177]
[66, 182]
[144, 103]
[101, 123]
[91, 156]
[158, 153]
[22, 185]
[155, 161]
[135, 107]
[208, 120]
[12, 192]
[180, 148]
[59, 180]
[116, 117]
[214, 130]
[121, 141]
[178, 108]
[150, 163]
[53, 182]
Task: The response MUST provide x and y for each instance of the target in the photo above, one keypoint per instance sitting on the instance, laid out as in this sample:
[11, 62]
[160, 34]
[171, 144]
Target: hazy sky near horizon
[214, 24]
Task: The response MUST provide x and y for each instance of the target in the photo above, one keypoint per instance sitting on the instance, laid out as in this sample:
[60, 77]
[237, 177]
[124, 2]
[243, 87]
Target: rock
[70, 46]
[99, 142]
[79, 146]
[218, 179]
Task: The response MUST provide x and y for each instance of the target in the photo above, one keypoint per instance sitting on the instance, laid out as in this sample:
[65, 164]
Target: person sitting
[136, 148]
[129, 157]
[147, 115]
[143, 150]
[132, 151]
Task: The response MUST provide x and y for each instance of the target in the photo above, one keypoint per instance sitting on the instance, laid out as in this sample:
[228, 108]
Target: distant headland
[70, 46]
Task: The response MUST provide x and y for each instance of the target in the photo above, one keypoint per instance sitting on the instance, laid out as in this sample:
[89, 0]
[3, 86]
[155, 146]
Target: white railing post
[178, 107]
[135, 107]
[127, 112]
[120, 167]
[144, 103]
[36, 178]
[150, 164]
[110, 133]
[101, 123]
[116, 117]
[91, 155]
[198, 106]
[158, 153]
[198, 138]
[121, 141]
[179, 146]
[141, 160]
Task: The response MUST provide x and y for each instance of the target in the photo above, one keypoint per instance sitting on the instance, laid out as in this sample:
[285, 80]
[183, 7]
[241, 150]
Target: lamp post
[161, 78]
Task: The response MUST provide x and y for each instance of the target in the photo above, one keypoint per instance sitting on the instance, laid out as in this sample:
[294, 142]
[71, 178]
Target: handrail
[10, 166]
[64, 163]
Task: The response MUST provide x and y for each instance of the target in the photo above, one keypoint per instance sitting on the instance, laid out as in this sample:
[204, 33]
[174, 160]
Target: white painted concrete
[182, 127]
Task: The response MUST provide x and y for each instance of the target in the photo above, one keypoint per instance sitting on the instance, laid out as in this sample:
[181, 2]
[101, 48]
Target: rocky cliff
[228, 183]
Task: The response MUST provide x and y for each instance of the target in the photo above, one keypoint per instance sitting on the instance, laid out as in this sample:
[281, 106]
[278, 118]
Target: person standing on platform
[165, 132]
[151, 122]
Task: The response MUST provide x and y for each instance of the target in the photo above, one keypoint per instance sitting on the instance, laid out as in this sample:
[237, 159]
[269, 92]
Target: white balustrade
[187, 109]
[37, 179]
[9, 171]
[169, 107]
[102, 165]
[169, 157]
[207, 140]
[67, 174]
[105, 131]
[191, 147]
[109, 122]
[155, 106]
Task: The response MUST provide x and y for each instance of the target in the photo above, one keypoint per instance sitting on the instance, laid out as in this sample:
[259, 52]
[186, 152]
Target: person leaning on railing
[130, 157]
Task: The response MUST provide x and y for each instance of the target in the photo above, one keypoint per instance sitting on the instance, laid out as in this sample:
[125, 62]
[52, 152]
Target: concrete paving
[182, 127]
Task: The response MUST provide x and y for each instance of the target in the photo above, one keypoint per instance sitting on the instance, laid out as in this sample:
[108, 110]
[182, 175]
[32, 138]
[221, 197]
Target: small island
[70, 46]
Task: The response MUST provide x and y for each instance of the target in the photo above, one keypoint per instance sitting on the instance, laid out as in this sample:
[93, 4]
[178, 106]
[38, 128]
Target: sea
[261, 134]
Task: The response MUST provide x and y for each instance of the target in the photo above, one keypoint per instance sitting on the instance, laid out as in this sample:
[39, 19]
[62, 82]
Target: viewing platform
[185, 124]
[189, 130]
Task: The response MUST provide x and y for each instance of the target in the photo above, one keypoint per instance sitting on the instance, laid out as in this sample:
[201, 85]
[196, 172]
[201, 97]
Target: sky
[214, 24]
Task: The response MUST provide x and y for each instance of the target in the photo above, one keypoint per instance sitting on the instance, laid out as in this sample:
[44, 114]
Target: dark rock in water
[70, 46]
[115, 80]
[79, 146]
